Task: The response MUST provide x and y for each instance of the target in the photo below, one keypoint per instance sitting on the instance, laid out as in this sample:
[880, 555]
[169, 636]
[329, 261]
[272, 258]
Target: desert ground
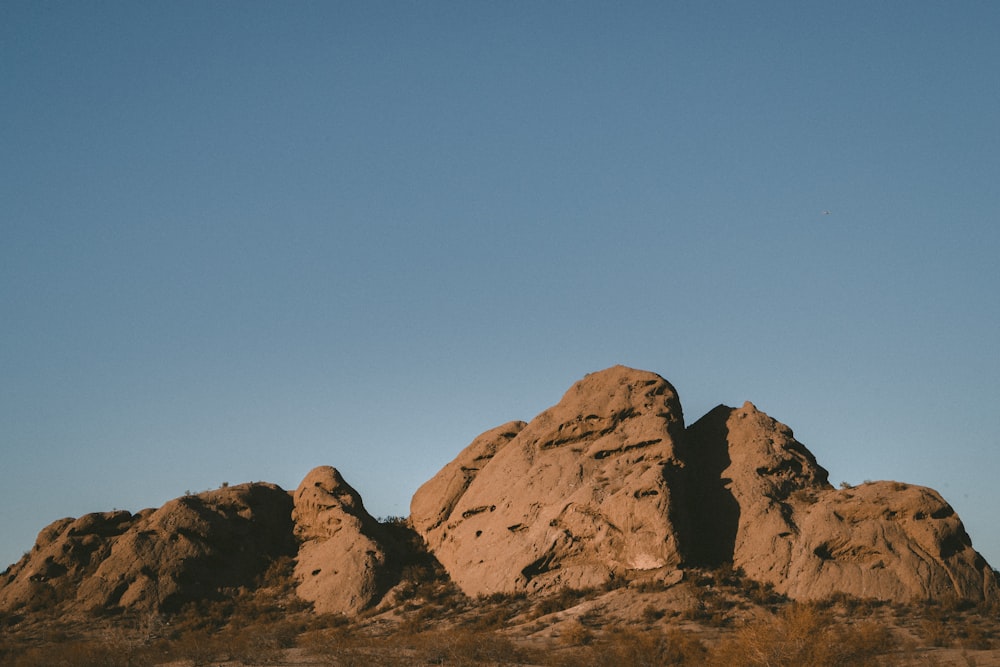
[703, 617]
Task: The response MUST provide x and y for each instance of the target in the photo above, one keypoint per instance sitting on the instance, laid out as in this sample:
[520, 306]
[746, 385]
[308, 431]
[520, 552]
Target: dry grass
[715, 617]
[804, 634]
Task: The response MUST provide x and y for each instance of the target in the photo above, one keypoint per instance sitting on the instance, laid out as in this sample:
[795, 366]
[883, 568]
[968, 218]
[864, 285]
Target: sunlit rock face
[787, 526]
[583, 493]
[342, 563]
[608, 483]
[156, 559]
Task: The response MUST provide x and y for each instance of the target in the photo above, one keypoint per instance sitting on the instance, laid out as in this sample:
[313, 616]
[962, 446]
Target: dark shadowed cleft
[823, 552]
[942, 513]
[605, 453]
[478, 510]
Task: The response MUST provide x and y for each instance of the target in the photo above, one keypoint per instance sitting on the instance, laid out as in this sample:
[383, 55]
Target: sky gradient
[239, 240]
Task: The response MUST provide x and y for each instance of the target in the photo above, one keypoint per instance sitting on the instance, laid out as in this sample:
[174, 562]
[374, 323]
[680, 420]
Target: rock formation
[66, 551]
[769, 509]
[608, 483]
[885, 540]
[343, 558]
[750, 473]
[158, 559]
[583, 493]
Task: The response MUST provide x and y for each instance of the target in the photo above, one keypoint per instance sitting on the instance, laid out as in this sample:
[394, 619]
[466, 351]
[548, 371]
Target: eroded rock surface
[749, 472]
[885, 540]
[583, 493]
[608, 483]
[343, 561]
[156, 559]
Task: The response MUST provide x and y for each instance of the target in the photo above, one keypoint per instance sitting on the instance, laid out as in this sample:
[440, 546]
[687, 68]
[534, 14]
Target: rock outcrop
[583, 493]
[343, 563]
[186, 550]
[749, 473]
[767, 505]
[608, 483]
[65, 553]
[885, 540]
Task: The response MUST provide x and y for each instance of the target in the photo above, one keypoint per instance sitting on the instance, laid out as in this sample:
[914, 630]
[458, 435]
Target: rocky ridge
[607, 486]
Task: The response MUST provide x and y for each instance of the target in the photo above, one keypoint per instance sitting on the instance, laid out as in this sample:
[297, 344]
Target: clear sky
[239, 240]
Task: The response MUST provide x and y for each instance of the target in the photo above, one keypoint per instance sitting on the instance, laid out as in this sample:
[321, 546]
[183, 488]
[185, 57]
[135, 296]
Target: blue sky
[239, 240]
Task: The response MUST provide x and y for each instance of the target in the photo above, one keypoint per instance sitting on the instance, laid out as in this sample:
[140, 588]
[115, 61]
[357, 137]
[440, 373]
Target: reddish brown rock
[66, 551]
[583, 493]
[885, 540]
[434, 502]
[157, 559]
[343, 563]
[607, 484]
[765, 504]
[746, 469]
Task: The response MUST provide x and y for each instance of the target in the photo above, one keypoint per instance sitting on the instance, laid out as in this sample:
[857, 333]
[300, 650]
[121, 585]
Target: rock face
[750, 474]
[885, 540]
[583, 493]
[790, 528]
[156, 559]
[608, 483]
[343, 561]
[66, 551]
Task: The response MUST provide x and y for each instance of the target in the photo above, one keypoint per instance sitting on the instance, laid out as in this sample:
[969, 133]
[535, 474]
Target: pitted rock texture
[343, 563]
[885, 540]
[583, 493]
[65, 552]
[434, 502]
[747, 471]
[764, 491]
[156, 559]
[608, 483]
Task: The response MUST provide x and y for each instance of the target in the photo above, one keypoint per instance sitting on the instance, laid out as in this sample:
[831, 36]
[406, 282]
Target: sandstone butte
[608, 484]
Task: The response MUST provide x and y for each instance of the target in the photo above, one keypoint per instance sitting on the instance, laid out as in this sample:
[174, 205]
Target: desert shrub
[576, 634]
[492, 618]
[629, 648]
[804, 496]
[936, 631]
[652, 614]
[803, 634]
[710, 608]
[465, 649]
[975, 636]
[80, 653]
[563, 599]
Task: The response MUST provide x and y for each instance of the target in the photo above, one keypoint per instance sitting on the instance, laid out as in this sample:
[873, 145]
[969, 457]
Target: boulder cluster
[608, 484]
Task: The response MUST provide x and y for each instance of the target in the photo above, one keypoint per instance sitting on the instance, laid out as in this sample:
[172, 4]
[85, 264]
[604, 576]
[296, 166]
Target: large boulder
[748, 474]
[156, 560]
[343, 563]
[608, 483]
[885, 540]
[66, 551]
[435, 501]
[583, 493]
